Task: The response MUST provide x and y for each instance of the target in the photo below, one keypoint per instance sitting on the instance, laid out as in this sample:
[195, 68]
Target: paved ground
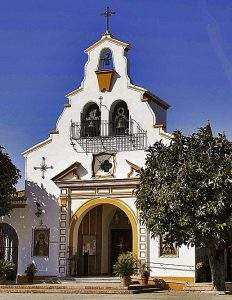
[155, 296]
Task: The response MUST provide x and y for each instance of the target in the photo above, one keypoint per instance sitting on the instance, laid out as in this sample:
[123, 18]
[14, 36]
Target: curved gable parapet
[105, 82]
[118, 63]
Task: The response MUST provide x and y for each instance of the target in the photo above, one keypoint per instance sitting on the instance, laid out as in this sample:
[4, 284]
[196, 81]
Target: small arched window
[119, 116]
[90, 120]
[106, 60]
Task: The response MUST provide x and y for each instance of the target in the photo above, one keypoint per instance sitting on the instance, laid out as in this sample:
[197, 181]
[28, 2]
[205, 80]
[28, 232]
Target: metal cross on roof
[43, 167]
[107, 14]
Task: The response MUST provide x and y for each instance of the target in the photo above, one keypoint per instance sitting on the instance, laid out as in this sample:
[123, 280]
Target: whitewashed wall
[181, 266]
[60, 154]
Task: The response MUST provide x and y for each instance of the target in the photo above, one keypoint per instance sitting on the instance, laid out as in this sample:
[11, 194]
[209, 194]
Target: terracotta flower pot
[144, 280]
[126, 281]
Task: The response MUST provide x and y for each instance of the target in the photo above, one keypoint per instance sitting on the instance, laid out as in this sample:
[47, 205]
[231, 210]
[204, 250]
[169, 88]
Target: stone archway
[100, 233]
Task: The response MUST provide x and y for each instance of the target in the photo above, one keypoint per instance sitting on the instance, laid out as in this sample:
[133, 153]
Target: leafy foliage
[126, 265]
[185, 189]
[6, 268]
[144, 269]
[9, 176]
[31, 269]
[185, 194]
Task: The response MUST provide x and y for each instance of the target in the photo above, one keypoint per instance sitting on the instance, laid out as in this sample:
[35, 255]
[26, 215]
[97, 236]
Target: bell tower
[105, 72]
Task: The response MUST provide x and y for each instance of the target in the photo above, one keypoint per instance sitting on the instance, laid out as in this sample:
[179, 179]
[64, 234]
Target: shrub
[31, 269]
[144, 269]
[6, 268]
[126, 265]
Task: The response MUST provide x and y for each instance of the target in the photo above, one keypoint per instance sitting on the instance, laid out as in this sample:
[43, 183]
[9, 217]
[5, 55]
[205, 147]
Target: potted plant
[30, 272]
[6, 269]
[144, 271]
[125, 267]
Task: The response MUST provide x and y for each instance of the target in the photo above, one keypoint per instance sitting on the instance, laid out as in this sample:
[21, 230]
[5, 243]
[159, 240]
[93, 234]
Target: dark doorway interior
[121, 241]
[229, 264]
[203, 273]
[120, 238]
[9, 246]
[104, 233]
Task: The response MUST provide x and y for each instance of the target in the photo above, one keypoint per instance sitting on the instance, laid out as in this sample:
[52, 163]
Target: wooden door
[89, 244]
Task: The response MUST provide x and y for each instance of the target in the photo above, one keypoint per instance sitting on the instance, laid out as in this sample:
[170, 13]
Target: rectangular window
[167, 250]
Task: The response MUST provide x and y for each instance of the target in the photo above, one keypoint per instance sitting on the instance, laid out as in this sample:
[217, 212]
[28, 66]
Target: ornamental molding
[147, 96]
[74, 92]
[72, 173]
[163, 133]
[125, 182]
[89, 189]
[134, 169]
[37, 146]
[107, 37]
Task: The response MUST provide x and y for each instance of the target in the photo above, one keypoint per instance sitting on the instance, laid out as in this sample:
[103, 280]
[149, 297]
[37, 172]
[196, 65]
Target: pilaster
[64, 219]
[143, 235]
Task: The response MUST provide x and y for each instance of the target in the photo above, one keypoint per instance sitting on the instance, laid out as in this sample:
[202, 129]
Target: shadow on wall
[39, 200]
[37, 196]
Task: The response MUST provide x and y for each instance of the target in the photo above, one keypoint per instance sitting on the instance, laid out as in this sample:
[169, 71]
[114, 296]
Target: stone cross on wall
[43, 167]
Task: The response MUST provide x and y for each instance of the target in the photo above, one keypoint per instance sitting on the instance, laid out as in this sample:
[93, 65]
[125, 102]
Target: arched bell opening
[106, 60]
[90, 120]
[100, 234]
[9, 247]
[119, 118]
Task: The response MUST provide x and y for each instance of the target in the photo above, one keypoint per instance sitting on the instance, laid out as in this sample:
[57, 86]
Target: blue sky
[180, 49]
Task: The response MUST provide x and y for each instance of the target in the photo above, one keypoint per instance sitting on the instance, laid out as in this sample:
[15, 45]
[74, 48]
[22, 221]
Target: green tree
[9, 176]
[185, 194]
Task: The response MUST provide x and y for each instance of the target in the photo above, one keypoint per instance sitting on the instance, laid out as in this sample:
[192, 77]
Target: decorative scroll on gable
[72, 173]
[134, 169]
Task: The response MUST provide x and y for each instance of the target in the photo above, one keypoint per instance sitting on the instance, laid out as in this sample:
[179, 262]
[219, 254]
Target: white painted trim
[74, 92]
[103, 39]
[39, 145]
[165, 134]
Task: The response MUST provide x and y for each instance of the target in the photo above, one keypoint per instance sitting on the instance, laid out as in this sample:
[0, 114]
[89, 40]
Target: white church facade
[80, 211]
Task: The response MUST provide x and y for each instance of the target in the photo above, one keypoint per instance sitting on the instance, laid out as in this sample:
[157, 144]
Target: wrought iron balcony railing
[96, 136]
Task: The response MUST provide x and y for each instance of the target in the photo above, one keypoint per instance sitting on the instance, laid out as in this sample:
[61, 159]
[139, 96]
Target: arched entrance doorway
[9, 245]
[98, 234]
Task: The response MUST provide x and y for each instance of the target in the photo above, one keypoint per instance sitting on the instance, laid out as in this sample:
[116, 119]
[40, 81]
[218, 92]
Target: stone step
[92, 279]
[198, 287]
[58, 287]
[66, 291]
[206, 287]
[74, 286]
[200, 283]
[76, 290]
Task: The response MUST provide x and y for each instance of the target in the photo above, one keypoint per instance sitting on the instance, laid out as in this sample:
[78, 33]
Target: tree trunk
[217, 266]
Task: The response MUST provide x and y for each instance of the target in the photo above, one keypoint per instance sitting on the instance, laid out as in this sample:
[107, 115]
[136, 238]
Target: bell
[91, 125]
[120, 124]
